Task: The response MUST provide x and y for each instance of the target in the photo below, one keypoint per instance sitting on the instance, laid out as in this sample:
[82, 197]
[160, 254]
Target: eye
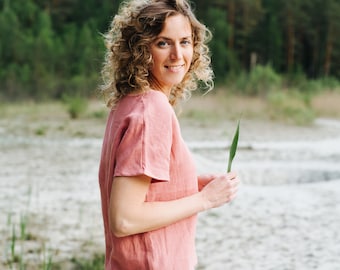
[162, 44]
[186, 42]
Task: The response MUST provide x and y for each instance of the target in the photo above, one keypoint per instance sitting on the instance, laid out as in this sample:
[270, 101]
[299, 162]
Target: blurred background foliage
[50, 49]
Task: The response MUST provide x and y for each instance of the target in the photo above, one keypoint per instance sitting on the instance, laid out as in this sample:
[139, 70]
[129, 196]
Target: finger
[232, 175]
[235, 182]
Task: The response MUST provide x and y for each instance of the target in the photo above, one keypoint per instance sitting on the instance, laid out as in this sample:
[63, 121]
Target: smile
[174, 68]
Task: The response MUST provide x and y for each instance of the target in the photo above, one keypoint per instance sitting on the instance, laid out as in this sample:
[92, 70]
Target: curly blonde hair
[128, 59]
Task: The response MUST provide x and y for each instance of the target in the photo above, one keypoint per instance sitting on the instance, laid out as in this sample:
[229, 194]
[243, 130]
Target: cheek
[190, 55]
[156, 67]
[190, 58]
[158, 56]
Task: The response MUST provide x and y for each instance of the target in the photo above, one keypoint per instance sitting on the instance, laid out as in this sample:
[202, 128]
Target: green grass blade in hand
[233, 147]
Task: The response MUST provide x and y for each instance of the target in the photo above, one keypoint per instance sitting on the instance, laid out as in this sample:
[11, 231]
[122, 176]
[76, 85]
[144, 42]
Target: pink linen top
[143, 137]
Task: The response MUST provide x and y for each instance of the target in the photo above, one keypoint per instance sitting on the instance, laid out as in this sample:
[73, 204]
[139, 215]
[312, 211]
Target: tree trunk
[329, 50]
[231, 21]
[290, 42]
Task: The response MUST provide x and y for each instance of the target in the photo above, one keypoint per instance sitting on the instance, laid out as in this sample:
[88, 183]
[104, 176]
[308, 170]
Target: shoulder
[156, 103]
[156, 98]
[151, 106]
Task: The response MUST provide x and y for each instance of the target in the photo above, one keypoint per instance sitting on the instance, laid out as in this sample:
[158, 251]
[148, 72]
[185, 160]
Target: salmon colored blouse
[143, 137]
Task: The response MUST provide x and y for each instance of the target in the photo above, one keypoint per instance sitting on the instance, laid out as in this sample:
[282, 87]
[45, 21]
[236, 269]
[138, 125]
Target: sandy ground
[287, 214]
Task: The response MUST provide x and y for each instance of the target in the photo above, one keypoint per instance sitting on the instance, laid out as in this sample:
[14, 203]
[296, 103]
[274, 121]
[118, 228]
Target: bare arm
[130, 214]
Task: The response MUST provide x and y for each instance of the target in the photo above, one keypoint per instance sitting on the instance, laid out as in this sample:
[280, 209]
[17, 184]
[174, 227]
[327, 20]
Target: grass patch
[41, 131]
[17, 237]
[219, 105]
[96, 263]
[31, 111]
[290, 107]
[285, 105]
[99, 114]
[52, 119]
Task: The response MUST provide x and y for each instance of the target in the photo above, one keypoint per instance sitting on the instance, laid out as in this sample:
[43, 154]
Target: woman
[149, 188]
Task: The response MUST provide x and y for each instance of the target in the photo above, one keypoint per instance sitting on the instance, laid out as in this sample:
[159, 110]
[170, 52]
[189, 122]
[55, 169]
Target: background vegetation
[53, 49]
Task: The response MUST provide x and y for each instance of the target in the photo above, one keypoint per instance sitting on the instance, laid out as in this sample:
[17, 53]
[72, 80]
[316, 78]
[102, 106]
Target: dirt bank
[286, 216]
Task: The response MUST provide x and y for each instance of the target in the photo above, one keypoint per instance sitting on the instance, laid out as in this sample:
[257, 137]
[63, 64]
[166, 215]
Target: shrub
[310, 86]
[330, 83]
[260, 81]
[76, 105]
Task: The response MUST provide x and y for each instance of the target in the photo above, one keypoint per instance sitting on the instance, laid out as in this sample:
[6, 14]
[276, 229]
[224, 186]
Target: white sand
[285, 217]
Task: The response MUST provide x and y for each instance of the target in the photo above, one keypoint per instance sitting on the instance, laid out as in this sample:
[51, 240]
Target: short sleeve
[145, 143]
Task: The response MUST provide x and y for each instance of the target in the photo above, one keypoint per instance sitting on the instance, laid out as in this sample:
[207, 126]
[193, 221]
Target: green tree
[332, 9]
[250, 13]
[43, 64]
[49, 48]
[9, 25]
[219, 28]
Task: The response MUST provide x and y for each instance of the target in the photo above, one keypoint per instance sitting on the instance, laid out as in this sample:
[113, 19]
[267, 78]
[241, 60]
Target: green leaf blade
[233, 147]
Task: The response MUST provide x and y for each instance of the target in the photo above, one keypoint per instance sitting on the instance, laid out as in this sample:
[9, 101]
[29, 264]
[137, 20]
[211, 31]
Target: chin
[177, 80]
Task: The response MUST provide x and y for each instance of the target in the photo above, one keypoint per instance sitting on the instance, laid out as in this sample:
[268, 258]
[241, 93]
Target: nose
[176, 52]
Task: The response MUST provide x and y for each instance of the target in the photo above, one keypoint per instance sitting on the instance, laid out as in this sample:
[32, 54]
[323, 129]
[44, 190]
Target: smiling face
[172, 52]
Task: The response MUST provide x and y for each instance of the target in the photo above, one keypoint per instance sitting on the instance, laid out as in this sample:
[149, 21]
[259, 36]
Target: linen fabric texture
[143, 137]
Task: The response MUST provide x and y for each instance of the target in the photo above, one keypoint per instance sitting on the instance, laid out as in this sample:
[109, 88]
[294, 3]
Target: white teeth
[174, 68]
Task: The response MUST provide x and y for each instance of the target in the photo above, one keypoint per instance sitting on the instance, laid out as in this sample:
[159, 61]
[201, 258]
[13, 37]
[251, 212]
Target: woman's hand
[218, 189]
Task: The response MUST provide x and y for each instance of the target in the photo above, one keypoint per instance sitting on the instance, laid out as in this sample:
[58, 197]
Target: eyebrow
[167, 38]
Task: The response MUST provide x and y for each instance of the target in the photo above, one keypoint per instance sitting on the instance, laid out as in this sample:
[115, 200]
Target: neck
[156, 86]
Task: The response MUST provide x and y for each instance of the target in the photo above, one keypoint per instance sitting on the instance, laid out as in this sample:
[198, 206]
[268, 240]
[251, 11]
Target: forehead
[176, 26]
